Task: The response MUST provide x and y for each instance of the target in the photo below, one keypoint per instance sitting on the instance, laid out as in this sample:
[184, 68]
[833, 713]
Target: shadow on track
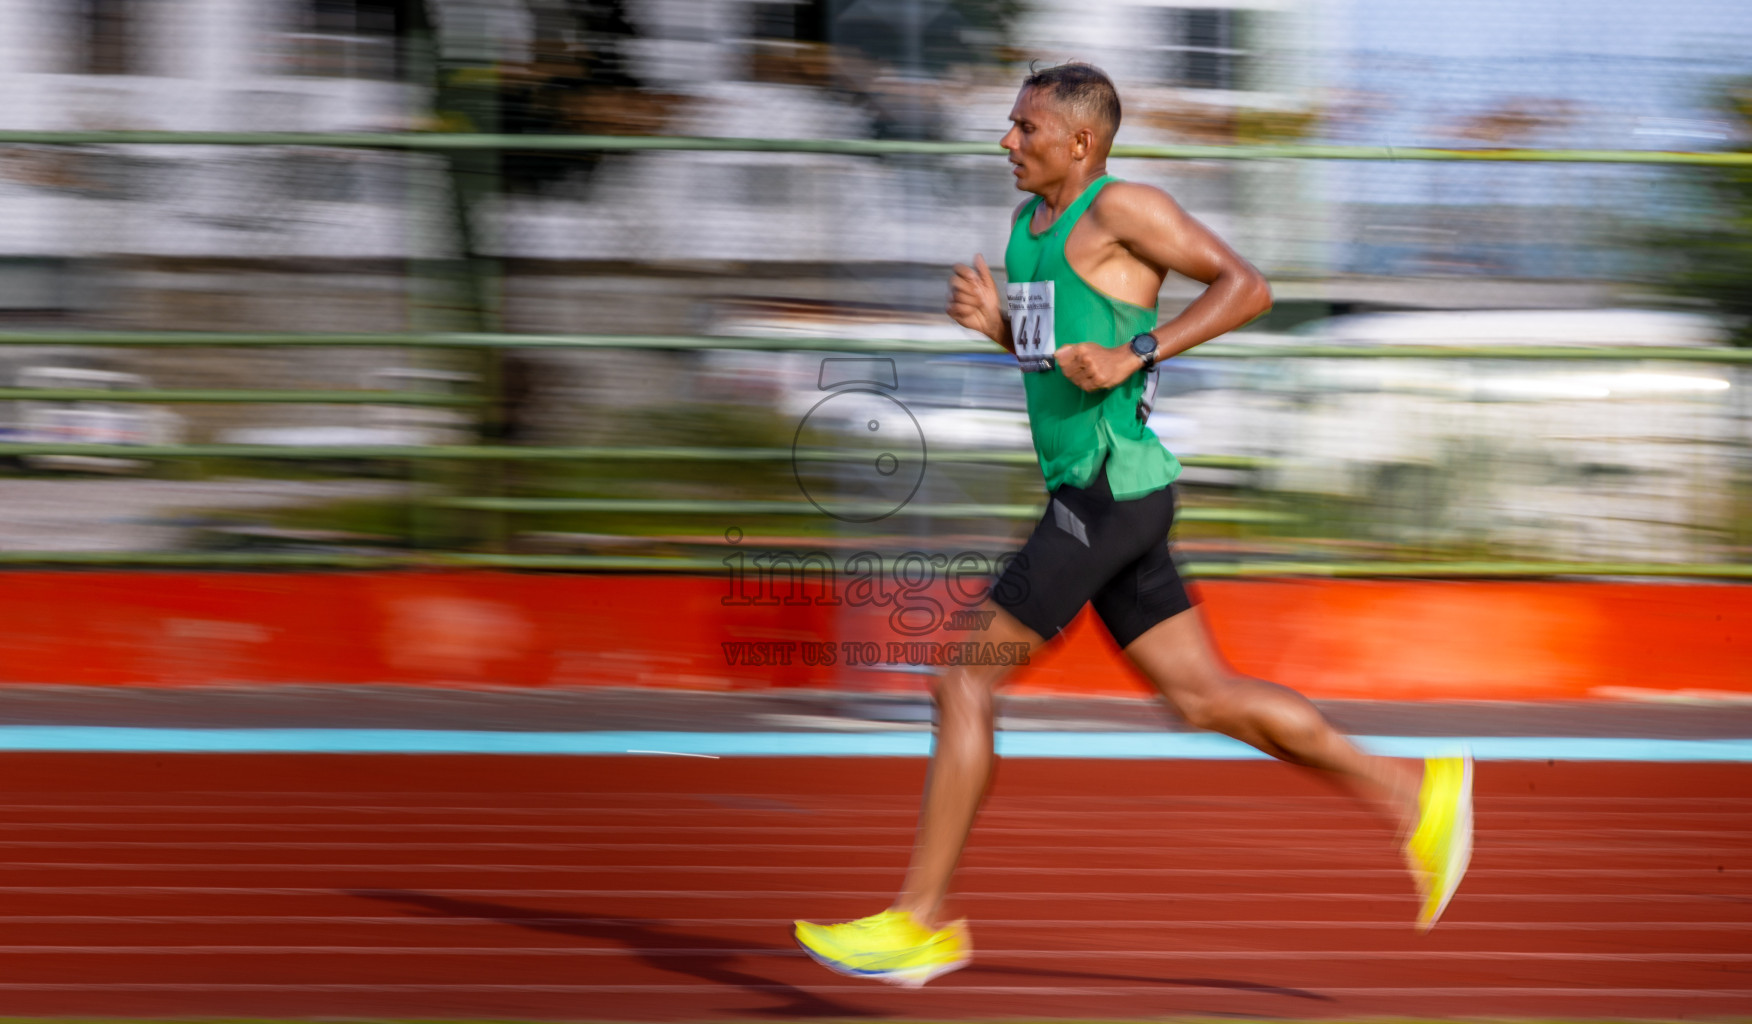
[639, 935]
[974, 970]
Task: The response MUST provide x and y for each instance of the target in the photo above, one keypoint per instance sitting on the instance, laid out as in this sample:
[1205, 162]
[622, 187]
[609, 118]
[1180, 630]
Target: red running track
[659, 888]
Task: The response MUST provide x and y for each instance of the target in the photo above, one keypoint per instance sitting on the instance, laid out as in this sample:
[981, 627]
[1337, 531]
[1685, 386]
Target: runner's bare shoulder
[1131, 204]
[1149, 224]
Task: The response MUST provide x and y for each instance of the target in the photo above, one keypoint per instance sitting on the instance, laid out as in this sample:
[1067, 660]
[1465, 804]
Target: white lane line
[1053, 955]
[675, 753]
[1063, 896]
[1151, 924]
[1312, 807]
[1646, 874]
[715, 989]
[1651, 837]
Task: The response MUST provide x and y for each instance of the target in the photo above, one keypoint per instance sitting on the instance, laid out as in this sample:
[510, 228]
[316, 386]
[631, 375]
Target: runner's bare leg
[961, 770]
[1178, 657]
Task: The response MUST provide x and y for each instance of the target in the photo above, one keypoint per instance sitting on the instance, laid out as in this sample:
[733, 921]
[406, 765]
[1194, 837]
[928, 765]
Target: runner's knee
[1252, 710]
[1207, 703]
[964, 687]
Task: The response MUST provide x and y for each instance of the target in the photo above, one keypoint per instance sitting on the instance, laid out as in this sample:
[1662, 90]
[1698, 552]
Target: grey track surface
[406, 707]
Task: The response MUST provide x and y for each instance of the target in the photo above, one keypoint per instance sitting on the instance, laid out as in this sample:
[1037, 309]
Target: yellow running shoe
[889, 946]
[1441, 847]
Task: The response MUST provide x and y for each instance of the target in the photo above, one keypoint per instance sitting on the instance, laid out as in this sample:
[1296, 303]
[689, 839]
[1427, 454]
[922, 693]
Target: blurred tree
[107, 37]
[580, 80]
[893, 53]
[1710, 257]
[926, 36]
[989, 21]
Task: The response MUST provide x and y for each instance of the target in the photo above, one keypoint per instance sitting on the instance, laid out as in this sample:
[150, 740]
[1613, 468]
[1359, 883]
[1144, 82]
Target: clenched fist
[974, 302]
[1095, 367]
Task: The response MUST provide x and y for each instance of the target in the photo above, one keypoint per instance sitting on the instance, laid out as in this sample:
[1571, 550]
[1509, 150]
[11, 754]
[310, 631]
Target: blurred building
[1367, 71]
[323, 238]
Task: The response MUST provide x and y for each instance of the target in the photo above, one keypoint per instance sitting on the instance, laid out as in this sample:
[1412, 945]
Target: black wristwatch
[1144, 347]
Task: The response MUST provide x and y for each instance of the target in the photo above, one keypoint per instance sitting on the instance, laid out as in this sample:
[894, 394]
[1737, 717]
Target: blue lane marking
[1097, 745]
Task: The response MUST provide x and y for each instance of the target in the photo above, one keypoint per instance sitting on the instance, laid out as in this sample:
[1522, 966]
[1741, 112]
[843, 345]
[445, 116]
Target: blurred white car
[384, 424]
[1618, 458]
[88, 421]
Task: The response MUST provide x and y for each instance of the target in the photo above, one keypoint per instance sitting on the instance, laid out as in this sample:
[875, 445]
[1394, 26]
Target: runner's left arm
[1150, 227]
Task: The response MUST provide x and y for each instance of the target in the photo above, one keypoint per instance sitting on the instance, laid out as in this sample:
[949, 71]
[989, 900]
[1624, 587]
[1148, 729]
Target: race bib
[1030, 305]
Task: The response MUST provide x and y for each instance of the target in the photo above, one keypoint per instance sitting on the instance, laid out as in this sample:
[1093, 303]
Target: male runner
[1085, 262]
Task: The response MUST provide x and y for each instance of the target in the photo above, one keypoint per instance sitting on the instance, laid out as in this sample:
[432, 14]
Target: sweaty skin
[1125, 245]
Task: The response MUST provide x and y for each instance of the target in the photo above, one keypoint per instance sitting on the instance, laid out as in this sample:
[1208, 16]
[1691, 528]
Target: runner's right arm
[974, 302]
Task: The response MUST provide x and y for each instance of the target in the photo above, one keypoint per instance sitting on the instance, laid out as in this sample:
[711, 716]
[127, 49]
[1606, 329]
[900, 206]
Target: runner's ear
[1082, 142]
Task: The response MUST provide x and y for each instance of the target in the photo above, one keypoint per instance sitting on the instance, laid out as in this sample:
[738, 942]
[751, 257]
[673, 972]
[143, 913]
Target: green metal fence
[451, 142]
[484, 342]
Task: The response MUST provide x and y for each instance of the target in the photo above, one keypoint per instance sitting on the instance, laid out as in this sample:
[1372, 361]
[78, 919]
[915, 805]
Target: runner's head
[1065, 116]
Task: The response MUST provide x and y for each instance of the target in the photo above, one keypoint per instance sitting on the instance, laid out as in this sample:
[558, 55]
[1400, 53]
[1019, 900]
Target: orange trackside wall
[1398, 640]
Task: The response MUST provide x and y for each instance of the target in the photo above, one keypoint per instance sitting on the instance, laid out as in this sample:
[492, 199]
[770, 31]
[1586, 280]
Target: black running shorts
[1089, 547]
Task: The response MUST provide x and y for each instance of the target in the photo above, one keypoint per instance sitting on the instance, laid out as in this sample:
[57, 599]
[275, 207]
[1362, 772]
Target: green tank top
[1051, 306]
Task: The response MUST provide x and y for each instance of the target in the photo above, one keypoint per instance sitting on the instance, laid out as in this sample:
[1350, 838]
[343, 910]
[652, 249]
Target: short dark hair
[1083, 87]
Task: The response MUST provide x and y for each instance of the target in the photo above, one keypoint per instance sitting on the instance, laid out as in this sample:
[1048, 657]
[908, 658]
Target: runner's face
[1039, 142]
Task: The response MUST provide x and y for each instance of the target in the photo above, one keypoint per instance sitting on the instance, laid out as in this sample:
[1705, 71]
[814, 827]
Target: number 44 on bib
[1030, 305]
